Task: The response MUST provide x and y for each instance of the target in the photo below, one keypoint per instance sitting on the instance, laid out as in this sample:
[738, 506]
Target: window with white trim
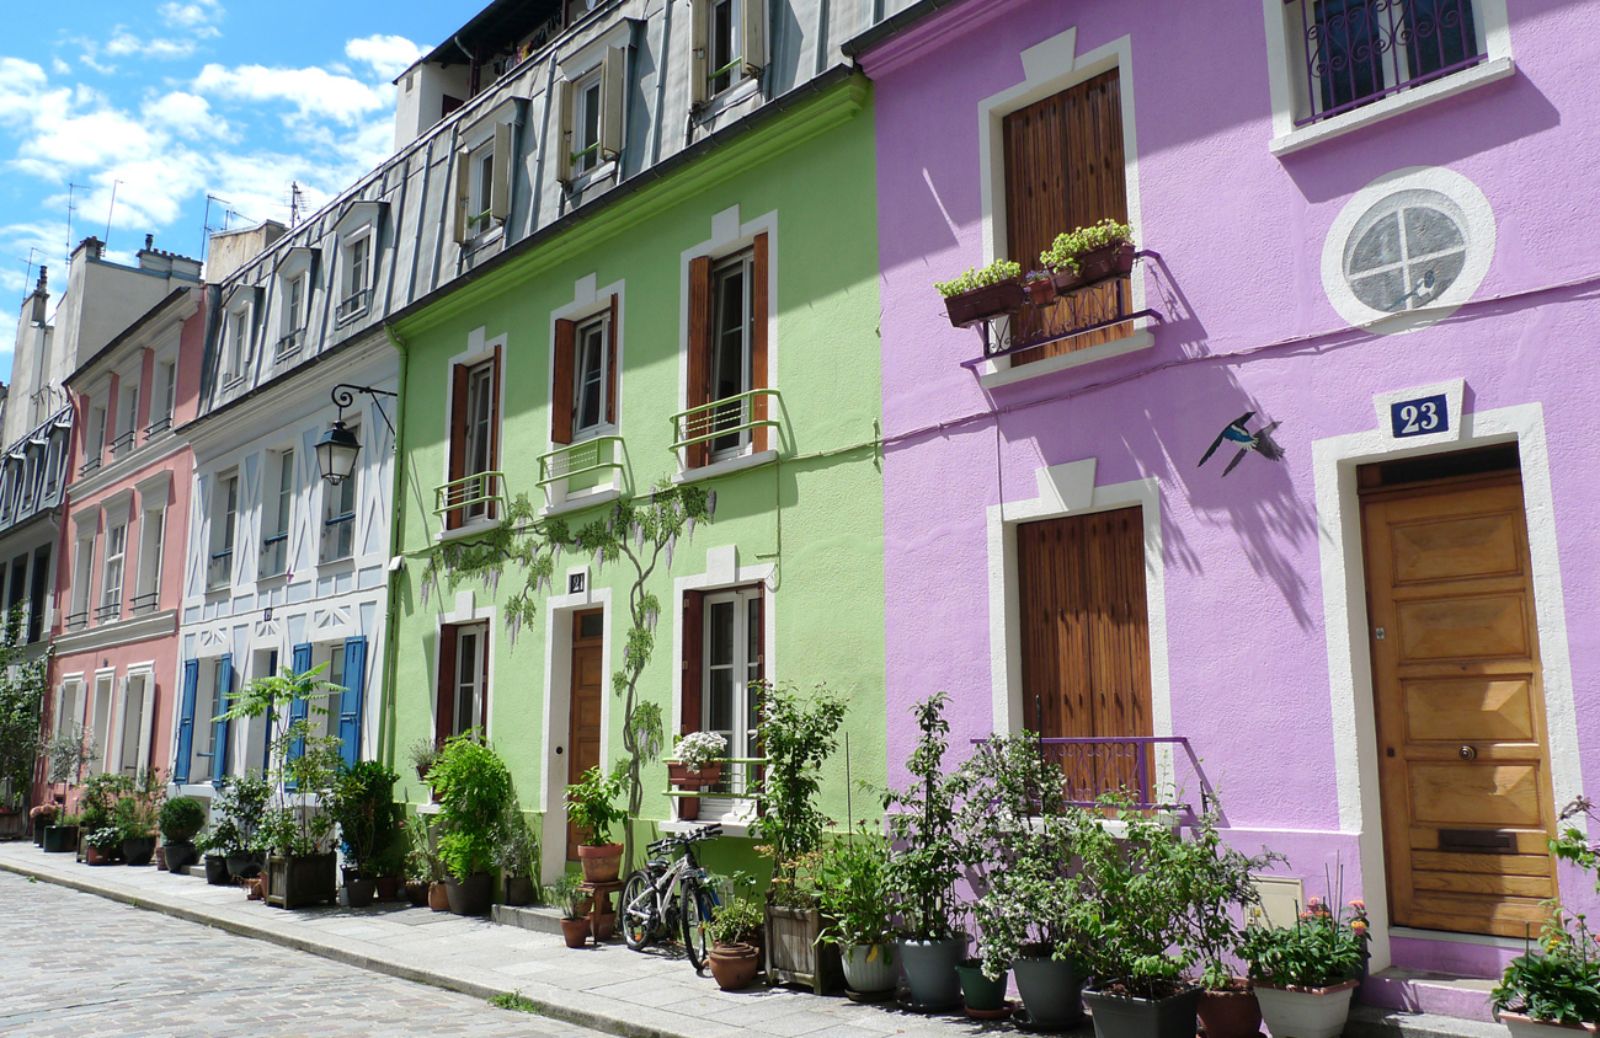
[235, 344]
[127, 417]
[224, 515]
[291, 331]
[586, 123]
[133, 751]
[163, 397]
[355, 274]
[111, 574]
[277, 509]
[590, 106]
[463, 700]
[69, 708]
[152, 548]
[731, 654]
[339, 514]
[100, 723]
[480, 189]
[94, 439]
[82, 574]
[728, 45]
[590, 377]
[732, 332]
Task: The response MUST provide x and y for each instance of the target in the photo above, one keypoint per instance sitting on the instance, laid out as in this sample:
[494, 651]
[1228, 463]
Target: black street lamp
[337, 450]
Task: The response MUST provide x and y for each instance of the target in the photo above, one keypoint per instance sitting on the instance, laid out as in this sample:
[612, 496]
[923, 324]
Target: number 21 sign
[1420, 417]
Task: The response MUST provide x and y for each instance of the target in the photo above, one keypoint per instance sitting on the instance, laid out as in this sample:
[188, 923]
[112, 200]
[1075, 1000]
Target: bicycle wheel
[638, 912]
[698, 905]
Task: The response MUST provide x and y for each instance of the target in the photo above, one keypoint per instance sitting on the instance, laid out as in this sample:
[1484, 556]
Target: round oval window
[1411, 249]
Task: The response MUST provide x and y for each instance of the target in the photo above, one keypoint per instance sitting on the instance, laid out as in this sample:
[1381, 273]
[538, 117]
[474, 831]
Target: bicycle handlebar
[705, 832]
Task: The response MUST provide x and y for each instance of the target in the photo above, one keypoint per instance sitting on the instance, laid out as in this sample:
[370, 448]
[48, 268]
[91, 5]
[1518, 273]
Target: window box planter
[1040, 289]
[981, 304]
[1052, 992]
[1112, 261]
[793, 954]
[138, 850]
[680, 776]
[1125, 1016]
[1306, 1012]
[60, 839]
[930, 971]
[1522, 1026]
[293, 882]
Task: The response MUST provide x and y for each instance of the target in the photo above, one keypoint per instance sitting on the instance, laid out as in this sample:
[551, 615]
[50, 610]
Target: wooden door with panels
[1086, 644]
[1464, 767]
[583, 716]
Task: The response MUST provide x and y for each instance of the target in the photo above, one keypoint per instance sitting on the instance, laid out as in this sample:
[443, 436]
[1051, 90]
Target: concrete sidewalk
[638, 995]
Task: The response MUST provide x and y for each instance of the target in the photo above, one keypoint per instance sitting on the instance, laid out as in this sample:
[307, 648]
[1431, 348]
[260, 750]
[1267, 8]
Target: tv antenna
[297, 202]
[111, 211]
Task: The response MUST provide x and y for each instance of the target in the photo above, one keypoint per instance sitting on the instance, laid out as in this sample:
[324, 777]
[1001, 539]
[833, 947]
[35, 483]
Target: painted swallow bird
[1260, 441]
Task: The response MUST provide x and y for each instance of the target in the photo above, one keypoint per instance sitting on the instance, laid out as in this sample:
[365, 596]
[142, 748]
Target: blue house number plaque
[1420, 417]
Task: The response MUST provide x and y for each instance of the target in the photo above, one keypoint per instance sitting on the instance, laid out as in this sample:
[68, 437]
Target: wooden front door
[1086, 643]
[588, 679]
[1463, 765]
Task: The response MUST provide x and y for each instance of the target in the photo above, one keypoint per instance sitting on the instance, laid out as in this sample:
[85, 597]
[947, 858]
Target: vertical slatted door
[1119, 651]
[1055, 643]
[1065, 169]
[584, 706]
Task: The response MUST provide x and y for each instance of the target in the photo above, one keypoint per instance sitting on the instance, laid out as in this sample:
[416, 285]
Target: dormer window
[294, 315]
[355, 279]
[296, 276]
[127, 417]
[235, 343]
[729, 46]
[163, 396]
[590, 98]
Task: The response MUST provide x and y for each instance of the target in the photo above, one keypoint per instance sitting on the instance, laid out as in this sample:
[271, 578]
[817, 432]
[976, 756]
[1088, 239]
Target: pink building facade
[1378, 649]
[114, 671]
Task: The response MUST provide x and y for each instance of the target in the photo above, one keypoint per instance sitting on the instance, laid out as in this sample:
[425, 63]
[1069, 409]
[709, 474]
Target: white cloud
[59, 67]
[125, 44]
[388, 56]
[198, 16]
[22, 83]
[314, 92]
[188, 115]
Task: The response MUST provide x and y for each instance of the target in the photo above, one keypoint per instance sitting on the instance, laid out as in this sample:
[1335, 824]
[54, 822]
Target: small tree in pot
[926, 866]
[566, 896]
[592, 807]
[518, 857]
[138, 815]
[852, 889]
[735, 957]
[181, 819]
[237, 813]
[1224, 895]
[66, 755]
[474, 788]
[363, 807]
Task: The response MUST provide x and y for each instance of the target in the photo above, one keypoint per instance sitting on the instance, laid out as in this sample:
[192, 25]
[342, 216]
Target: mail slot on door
[1478, 841]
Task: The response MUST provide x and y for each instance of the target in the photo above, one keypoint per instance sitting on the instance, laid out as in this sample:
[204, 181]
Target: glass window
[280, 506]
[726, 65]
[731, 665]
[1409, 252]
[589, 389]
[151, 549]
[731, 337]
[224, 512]
[132, 727]
[470, 691]
[586, 124]
[339, 516]
[479, 443]
[111, 586]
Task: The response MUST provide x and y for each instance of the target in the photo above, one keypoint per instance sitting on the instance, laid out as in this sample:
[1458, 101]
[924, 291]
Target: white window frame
[333, 675]
[366, 237]
[744, 260]
[83, 571]
[237, 327]
[480, 189]
[332, 496]
[152, 550]
[1286, 76]
[603, 59]
[747, 37]
[113, 568]
[142, 677]
[69, 704]
[127, 414]
[163, 375]
[741, 737]
[277, 501]
[479, 683]
[587, 90]
[296, 290]
[598, 328]
[102, 707]
[222, 536]
[94, 442]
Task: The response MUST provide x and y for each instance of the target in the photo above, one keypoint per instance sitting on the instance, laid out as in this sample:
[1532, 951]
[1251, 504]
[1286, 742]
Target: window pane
[1445, 269]
[1440, 33]
[719, 701]
[1348, 51]
[1379, 247]
[1429, 230]
[720, 625]
[589, 131]
[1384, 291]
[587, 403]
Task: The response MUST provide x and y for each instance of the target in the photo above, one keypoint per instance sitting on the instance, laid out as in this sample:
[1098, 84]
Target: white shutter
[611, 87]
[700, 51]
[500, 194]
[116, 724]
[564, 131]
[461, 196]
[147, 709]
[753, 47]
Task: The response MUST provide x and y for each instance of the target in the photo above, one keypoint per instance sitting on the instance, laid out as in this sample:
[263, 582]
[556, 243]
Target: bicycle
[662, 898]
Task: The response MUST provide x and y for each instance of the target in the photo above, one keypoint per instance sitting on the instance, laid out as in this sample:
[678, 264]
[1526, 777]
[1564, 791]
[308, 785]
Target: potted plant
[1305, 974]
[66, 754]
[98, 803]
[475, 790]
[925, 867]
[42, 816]
[362, 805]
[517, 857]
[238, 810]
[422, 863]
[735, 957]
[853, 894]
[695, 767]
[209, 851]
[1224, 894]
[138, 815]
[566, 896]
[422, 754]
[102, 846]
[592, 807]
[797, 736]
[977, 295]
[1086, 255]
[181, 819]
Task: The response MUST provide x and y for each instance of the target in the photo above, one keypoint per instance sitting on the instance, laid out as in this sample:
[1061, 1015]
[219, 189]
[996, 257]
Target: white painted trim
[1354, 722]
[726, 466]
[591, 498]
[1050, 67]
[589, 302]
[558, 612]
[723, 571]
[1002, 372]
[466, 611]
[1070, 489]
[480, 348]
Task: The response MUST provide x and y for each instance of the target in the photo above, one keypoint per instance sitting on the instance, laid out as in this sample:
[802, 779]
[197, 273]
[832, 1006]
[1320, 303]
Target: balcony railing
[288, 345]
[576, 461]
[480, 495]
[338, 536]
[78, 621]
[353, 305]
[739, 780]
[91, 464]
[728, 424]
[160, 425]
[1094, 767]
[1356, 52]
[219, 571]
[145, 603]
[274, 554]
[108, 612]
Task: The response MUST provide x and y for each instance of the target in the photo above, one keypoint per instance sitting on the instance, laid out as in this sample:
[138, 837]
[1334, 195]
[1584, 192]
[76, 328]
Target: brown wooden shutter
[699, 351]
[693, 669]
[561, 383]
[611, 365]
[758, 338]
[483, 677]
[444, 712]
[1119, 658]
[494, 424]
[458, 437]
[1065, 169]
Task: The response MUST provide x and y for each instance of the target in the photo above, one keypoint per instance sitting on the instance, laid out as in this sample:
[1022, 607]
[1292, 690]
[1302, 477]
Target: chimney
[149, 242]
[41, 296]
[91, 248]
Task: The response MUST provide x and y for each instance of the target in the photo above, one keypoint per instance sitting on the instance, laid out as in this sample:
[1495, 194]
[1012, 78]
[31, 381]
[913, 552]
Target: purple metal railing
[1102, 765]
[1358, 51]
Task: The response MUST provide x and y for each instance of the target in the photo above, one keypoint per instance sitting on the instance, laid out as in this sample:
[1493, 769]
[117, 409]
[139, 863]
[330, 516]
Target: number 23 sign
[1419, 417]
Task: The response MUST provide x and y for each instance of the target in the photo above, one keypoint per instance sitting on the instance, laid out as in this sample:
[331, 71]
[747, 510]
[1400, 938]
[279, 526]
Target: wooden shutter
[611, 365]
[693, 664]
[483, 682]
[459, 209]
[445, 708]
[700, 52]
[564, 132]
[191, 683]
[352, 699]
[458, 438]
[753, 45]
[495, 390]
[219, 746]
[699, 387]
[500, 190]
[759, 290]
[1065, 169]
[561, 382]
[612, 88]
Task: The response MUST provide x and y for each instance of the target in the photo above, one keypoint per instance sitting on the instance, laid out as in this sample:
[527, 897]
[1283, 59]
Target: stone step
[1370, 1021]
[540, 918]
[1430, 993]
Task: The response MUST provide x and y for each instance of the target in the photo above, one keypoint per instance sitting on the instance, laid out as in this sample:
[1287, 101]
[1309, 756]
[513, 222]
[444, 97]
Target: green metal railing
[730, 416]
[575, 460]
[467, 494]
[743, 790]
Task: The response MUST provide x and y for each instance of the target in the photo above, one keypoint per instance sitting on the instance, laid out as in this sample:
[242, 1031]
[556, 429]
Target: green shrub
[364, 808]
[474, 788]
[970, 279]
[1321, 949]
[1063, 253]
[181, 818]
[592, 805]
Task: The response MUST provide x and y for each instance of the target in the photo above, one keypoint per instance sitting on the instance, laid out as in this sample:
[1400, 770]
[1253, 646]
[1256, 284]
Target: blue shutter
[219, 750]
[350, 702]
[300, 709]
[191, 682]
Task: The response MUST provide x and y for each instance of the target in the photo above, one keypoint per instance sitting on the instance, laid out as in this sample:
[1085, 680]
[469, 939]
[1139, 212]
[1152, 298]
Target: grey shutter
[611, 87]
[460, 220]
[564, 131]
[500, 195]
[700, 51]
[753, 46]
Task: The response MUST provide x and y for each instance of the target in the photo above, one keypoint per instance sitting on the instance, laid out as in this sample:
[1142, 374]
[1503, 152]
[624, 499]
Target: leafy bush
[422, 863]
[98, 800]
[853, 890]
[982, 277]
[1321, 949]
[363, 807]
[592, 805]
[925, 867]
[1560, 982]
[1063, 253]
[739, 919]
[181, 818]
[474, 788]
[566, 896]
[138, 808]
[518, 852]
[237, 813]
[797, 736]
[107, 839]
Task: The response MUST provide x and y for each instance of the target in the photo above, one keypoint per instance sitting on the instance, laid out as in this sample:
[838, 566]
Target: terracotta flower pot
[417, 893]
[93, 855]
[600, 864]
[438, 897]
[1306, 1012]
[1231, 1012]
[734, 966]
[1041, 291]
[605, 924]
[252, 889]
[575, 932]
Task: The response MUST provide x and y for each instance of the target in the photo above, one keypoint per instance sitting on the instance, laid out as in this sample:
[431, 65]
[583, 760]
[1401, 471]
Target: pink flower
[1359, 905]
[1359, 926]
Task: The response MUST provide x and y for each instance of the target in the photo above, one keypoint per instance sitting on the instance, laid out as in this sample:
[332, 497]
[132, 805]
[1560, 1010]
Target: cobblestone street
[76, 964]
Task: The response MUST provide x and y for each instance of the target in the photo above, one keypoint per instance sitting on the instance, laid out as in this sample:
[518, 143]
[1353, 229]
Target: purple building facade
[1367, 226]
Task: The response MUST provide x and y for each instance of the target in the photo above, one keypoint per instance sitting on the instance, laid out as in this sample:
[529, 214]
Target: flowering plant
[697, 749]
[1321, 949]
[1063, 253]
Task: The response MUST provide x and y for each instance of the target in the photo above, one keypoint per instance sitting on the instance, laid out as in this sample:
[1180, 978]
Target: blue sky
[171, 100]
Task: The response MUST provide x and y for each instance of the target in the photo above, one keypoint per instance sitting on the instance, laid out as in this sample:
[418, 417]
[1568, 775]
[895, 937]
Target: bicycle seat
[656, 865]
